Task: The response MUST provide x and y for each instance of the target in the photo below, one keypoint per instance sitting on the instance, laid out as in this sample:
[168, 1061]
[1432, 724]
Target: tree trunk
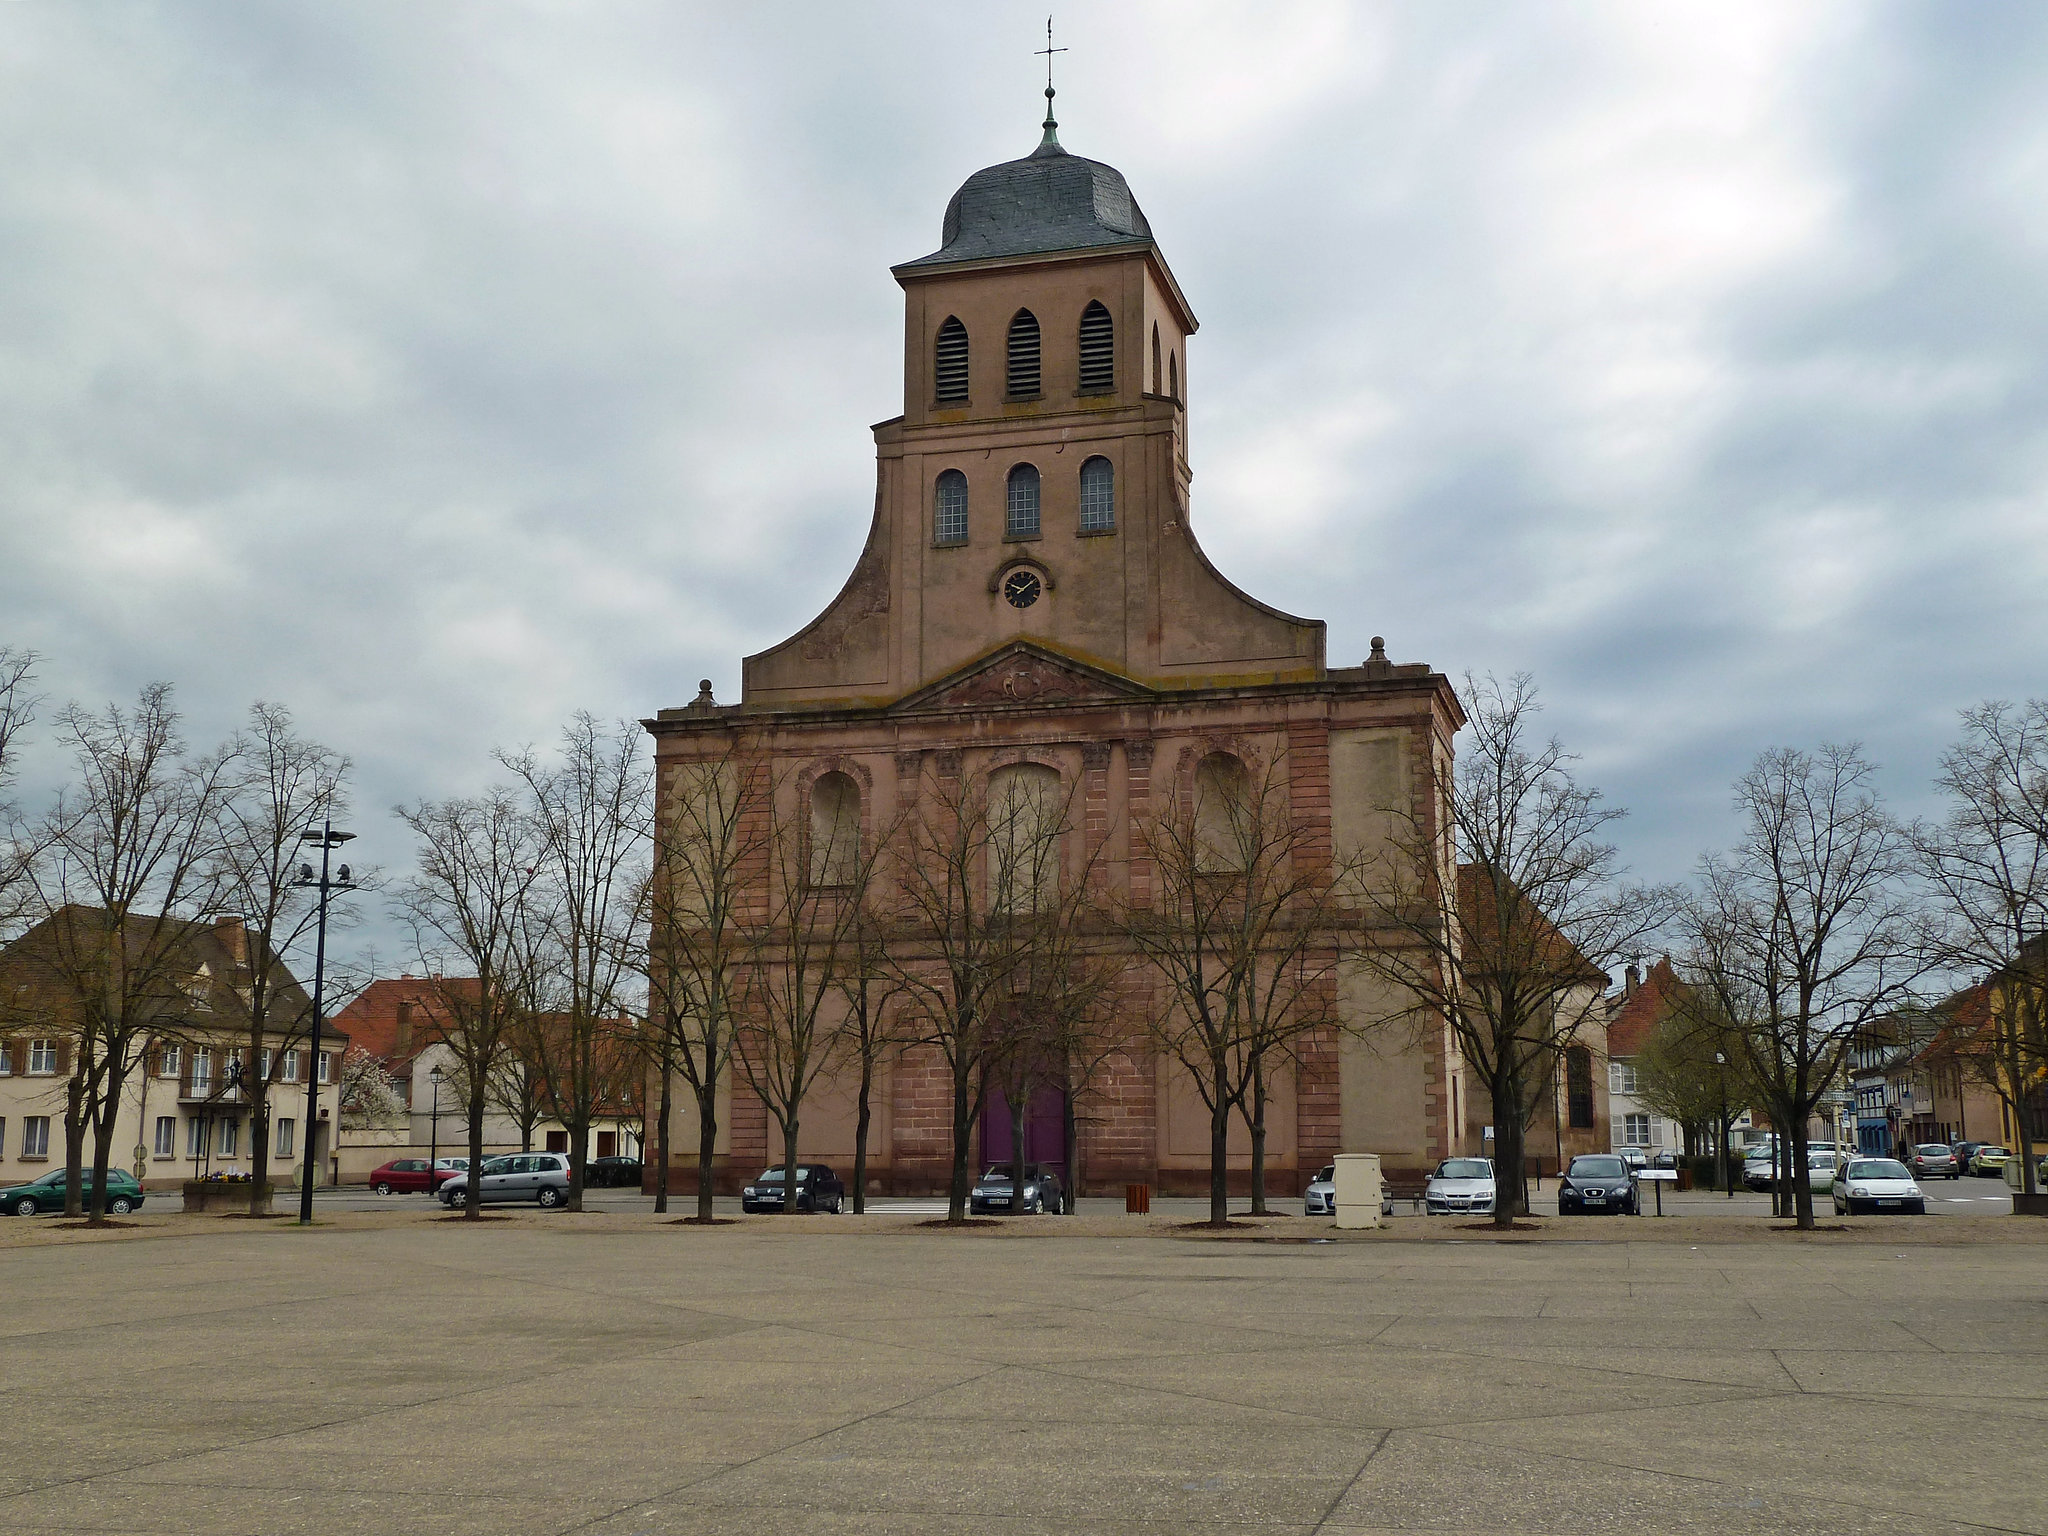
[789, 1189]
[74, 1147]
[1256, 1122]
[1018, 1097]
[105, 1123]
[863, 1110]
[963, 1130]
[579, 1156]
[1219, 1159]
[1510, 1197]
[1802, 1181]
[707, 1145]
[1070, 1151]
[259, 1149]
[472, 1187]
[663, 1151]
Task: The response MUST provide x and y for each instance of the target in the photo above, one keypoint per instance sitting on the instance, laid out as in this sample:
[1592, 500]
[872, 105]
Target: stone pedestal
[219, 1196]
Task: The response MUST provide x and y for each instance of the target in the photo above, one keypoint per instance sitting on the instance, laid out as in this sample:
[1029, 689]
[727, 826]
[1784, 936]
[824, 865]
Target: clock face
[1021, 588]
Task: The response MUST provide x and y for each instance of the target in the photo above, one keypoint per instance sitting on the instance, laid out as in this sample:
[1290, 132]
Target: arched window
[1025, 820]
[1173, 374]
[1155, 358]
[1098, 350]
[1024, 356]
[1021, 520]
[1098, 495]
[835, 829]
[1578, 1087]
[1225, 817]
[949, 363]
[949, 508]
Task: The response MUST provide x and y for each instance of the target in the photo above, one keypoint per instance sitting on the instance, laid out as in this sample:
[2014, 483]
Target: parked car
[612, 1173]
[1964, 1151]
[453, 1164]
[410, 1176]
[817, 1189]
[995, 1191]
[1594, 1184]
[1636, 1158]
[1934, 1161]
[1320, 1198]
[542, 1177]
[1989, 1162]
[1459, 1184]
[1759, 1167]
[1821, 1164]
[47, 1193]
[1876, 1184]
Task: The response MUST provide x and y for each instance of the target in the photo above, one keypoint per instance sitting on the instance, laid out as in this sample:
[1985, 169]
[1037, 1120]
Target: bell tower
[1036, 487]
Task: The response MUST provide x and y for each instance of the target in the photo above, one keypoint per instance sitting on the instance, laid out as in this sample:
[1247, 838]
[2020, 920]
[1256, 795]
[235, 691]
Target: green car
[1989, 1162]
[47, 1194]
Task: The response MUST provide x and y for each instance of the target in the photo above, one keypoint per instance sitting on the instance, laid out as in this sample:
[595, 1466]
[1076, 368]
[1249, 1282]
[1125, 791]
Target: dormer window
[1098, 350]
[949, 363]
[1023, 372]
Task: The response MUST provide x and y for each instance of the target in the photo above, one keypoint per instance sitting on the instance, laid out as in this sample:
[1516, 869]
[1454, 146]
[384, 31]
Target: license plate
[1887, 1202]
[1596, 1199]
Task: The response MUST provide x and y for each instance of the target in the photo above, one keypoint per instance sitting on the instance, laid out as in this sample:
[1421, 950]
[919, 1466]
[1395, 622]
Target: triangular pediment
[1019, 674]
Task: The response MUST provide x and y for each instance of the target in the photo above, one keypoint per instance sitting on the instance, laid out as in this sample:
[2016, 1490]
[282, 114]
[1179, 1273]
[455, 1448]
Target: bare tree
[18, 703]
[1804, 932]
[1506, 934]
[128, 865]
[709, 845]
[1240, 936]
[870, 1029]
[477, 862]
[591, 810]
[1987, 863]
[282, 785]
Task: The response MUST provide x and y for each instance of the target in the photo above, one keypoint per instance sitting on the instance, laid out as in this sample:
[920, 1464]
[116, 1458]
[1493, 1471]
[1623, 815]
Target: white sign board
[1658, 1176]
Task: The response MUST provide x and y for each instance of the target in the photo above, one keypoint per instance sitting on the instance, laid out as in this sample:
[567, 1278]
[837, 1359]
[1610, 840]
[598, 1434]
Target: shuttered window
[1021, 522]
[1023, 356]
[1098, 496]
[949, 363]
[1098, 350]
[949, 508]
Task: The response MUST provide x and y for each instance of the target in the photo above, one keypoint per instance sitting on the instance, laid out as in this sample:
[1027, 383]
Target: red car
[409, 1176]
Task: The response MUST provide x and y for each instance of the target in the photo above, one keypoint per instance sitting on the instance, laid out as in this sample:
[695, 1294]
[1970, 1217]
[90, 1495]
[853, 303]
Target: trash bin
[1684, 1177]
[1137, 1199]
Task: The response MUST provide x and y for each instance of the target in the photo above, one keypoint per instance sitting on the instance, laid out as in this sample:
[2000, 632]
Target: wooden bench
[1405, 1186]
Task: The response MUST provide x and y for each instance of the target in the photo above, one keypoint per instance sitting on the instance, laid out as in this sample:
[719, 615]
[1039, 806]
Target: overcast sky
[440, 369]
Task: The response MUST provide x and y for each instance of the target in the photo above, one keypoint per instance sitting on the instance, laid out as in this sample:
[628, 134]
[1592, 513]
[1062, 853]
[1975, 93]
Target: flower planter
[222, 1196]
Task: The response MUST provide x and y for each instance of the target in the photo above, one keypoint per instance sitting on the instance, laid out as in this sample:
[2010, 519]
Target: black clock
[1021, 588]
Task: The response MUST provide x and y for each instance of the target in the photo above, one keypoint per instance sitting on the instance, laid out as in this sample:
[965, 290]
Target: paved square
[621, 1376]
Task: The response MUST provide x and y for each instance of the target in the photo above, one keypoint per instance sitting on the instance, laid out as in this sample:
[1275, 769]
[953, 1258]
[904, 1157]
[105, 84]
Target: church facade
[1032, 592]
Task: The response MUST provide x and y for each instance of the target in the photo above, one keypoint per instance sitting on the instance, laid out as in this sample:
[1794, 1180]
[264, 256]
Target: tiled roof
[1048, 201]
[1653, 1000]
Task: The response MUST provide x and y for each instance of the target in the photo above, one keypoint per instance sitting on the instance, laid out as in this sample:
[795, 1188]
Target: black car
[612, 1173]
[1965, 1150]
[817, 1189]
[995, 1191]
[1595, 1184]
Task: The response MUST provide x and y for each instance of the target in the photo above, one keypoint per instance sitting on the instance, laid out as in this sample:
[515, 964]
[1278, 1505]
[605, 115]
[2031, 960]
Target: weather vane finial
[1051, 124]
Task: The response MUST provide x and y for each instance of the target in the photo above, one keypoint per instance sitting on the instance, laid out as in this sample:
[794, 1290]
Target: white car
[1460, 1184]
[1876, 1184]
[1320, 1198]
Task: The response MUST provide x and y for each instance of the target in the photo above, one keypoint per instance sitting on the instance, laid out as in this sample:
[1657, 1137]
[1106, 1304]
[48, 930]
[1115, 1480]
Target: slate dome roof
[1047, 201]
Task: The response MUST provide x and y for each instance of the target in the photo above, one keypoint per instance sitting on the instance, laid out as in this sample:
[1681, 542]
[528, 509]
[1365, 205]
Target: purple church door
[1043, 1141]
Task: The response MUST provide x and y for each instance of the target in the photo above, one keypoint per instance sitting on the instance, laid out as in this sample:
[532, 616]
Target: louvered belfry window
[1022, 520]
[1024, 355]
[1098, 496]
[949, 508]
[1098, 350]
[949, 363]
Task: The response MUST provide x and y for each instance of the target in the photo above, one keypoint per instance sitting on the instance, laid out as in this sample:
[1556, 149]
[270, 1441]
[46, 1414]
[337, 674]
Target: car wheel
[120, 1205]
[548, 1198]
[383, 1189]
[26, 1206]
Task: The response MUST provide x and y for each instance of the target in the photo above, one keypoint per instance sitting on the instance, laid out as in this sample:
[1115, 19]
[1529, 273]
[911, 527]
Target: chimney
[1631, 979]
[234, 938]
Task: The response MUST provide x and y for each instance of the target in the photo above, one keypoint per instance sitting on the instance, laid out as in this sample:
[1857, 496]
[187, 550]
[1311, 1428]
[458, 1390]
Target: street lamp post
[326, 839]
[434, 1135]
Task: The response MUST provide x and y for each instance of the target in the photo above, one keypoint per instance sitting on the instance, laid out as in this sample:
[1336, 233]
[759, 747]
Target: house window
[1021, 521]
[1173, 375]
[171, 1062]
[6, 1058]
[1098, 350]
[835, 829]
[35, 1136]
[284, 1137]
[166, 1135]
[1621, 1077]
[263, 1065]
[202, 1069]
[1636, 1132]
[1155, 359]
[42, 1057]
[949, 508]
[197, 1137]
[291, 1065]
[230, 1137]
[1098, 496]
[949, 363]
[1578, 1080]
[3, 1135]
[1023, 373]
[326, 1062]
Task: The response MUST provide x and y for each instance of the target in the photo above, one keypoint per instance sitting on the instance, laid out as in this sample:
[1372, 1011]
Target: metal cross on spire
[1051, 124]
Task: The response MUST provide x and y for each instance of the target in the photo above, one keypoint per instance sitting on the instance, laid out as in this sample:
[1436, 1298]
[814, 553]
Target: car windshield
[997, 1171]
[1992, 1152]
[1596, 1168]
[1328, 1175]
[498, 1165]
[774, 1176]
[1932, 1151]
[1878, 1168]
[1465, 1168]
[1820, 1159]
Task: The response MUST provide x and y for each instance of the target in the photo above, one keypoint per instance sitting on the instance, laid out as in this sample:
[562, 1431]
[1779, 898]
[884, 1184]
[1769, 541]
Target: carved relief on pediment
[1021, 678]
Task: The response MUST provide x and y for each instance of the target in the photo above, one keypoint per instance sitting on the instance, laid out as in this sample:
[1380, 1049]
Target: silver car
[542, 1177]
[1460, 1184]
[1320, 1198]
